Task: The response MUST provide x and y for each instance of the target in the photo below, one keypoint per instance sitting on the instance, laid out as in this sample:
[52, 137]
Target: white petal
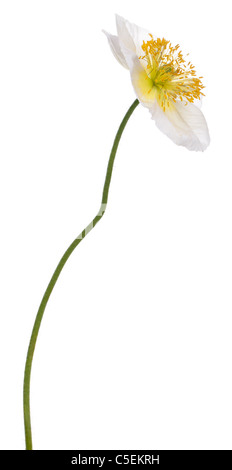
[123, 33]
[131, 35]
[116, 49]
[131, 38]
[198, 102]
[184, 124]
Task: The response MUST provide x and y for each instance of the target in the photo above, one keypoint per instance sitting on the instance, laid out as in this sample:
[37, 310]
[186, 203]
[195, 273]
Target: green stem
[39, 316]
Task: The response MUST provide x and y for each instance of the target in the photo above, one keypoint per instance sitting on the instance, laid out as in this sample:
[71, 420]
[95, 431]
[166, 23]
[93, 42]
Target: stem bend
[68, 252]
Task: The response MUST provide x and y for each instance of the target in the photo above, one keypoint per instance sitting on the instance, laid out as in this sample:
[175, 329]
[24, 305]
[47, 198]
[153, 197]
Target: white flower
[164, 81]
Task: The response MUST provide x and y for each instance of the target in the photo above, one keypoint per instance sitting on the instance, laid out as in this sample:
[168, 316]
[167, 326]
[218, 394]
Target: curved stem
[39, 316]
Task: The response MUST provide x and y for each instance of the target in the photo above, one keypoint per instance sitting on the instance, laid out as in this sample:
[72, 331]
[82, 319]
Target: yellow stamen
[172, 77]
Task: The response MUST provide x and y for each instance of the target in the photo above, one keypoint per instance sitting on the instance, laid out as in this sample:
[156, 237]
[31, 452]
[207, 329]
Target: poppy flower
[164, 81]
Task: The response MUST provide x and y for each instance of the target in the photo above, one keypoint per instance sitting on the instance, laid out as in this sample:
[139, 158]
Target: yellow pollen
[172, 77]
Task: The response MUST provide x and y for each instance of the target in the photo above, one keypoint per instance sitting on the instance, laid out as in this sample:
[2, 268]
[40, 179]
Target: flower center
[171, 75]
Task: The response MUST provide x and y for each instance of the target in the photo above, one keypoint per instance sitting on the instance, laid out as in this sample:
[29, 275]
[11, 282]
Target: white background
[134, 350]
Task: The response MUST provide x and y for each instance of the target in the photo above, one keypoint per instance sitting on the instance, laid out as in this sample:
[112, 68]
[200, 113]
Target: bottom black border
[107, 459]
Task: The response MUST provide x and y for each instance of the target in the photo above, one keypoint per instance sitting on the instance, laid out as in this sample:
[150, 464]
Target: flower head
[164, 81]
